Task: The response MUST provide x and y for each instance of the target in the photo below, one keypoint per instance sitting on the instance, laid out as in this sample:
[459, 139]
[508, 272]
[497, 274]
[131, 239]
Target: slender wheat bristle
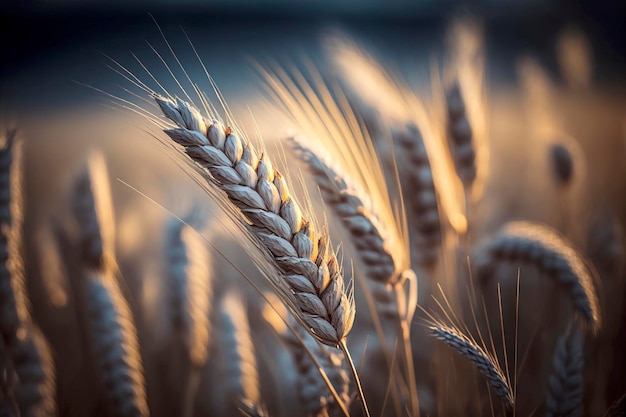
[189, 287]
[421, 197]
[562, 163]
[302, 253]
[238, 356]
[93, 209]
[485, 364]
[565, 388]
[618, 408]
[312, 390]
[35, 390]
[549, 252]
[460, 136]
[115, 346]
[14, 305]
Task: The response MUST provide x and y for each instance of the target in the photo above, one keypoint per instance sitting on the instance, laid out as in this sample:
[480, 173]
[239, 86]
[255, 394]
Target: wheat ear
[189, 288]
[302, 253]
[238, 356]
[565, 390]
[549, 252]
[28, 350]
[420, 195]
[561, 163]
[14, 306]
[115, 346]
[349, 202]
[460, 136]
[484, 362]
[35, 391]
[113, 334]
[312, 390]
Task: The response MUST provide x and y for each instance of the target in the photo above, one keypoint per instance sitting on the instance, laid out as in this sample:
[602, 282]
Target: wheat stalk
[485, 364]
[540, 246]
[421, 196]
[565, 388]
[238, 357]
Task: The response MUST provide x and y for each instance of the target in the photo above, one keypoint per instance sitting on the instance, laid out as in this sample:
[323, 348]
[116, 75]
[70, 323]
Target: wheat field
[317, 226]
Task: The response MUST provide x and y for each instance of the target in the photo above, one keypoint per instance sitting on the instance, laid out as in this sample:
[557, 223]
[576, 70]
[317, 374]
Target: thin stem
[190, 391]
[410, 371]
[344, 348]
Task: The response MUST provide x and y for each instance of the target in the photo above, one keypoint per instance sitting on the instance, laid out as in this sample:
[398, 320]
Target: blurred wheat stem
[310, 282]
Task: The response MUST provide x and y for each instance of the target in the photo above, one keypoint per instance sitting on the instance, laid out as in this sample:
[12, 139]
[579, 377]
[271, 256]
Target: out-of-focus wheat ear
[618, 408]
[486, 365]
[575, 58]
[460, 136]
[14, 304]
[35, 389]
[605, 244]
[52, 268]
[420, 196]
[373, 241]
[115, 346]
[93, 210]
[188, 268]
[241, 379]
[309, 278]
[565, 387]
[552, 254]
[313, 392]
[561, 164]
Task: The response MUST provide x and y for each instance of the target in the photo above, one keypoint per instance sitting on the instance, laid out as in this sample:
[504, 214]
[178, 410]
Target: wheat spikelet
[485, 364]
[35, 390]
[189, 288]
[460, 136]
[238, 357]
[565, 390]
[538, 245]
[312, 282]
[312, 390]
[115, 346]
[421, 196]
[14, 306]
